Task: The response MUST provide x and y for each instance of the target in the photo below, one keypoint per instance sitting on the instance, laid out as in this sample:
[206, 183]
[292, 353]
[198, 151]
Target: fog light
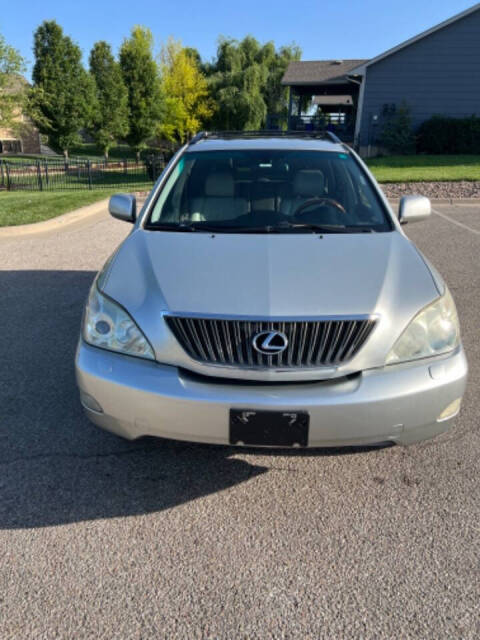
[452, 410]
[89, 402]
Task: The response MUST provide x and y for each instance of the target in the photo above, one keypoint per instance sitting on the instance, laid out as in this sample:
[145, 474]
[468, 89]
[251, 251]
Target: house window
[10, 146]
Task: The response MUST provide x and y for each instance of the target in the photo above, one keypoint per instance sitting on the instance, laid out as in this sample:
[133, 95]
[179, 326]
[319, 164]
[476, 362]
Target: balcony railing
[340, 123]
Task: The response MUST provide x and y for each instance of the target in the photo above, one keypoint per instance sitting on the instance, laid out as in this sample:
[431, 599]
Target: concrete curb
[458, 201]
[61, 222]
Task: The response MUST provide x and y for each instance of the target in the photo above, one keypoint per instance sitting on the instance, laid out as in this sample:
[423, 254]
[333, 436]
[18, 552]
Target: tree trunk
[137, 156]
[105, 153]
[65, 153]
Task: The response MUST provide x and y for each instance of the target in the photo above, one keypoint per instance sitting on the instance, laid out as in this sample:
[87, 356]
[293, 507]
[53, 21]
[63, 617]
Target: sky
[323, 29]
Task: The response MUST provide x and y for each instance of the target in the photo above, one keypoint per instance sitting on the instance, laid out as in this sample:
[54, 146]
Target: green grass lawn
[25, 207]
[425, 168]
[27, 156]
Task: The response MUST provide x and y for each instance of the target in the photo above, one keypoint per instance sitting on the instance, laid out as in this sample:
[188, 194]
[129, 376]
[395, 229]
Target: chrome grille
[311, 343]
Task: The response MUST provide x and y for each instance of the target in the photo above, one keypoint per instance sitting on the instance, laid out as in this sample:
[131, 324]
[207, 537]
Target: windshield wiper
[313, 226]
[183, 226]
[205, 226]
[281, 227]
[167, 226]
[330, 228]
[278, 228]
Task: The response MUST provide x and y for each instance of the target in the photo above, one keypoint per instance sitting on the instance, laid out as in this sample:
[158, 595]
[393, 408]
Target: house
[24, 136]
[435, 72]
[330, 87]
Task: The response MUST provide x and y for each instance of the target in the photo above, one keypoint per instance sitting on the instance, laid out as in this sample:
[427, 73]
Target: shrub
[441, 134]
[397, 133]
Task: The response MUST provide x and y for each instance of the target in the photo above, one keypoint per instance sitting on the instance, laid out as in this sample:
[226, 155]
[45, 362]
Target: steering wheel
[318, 201]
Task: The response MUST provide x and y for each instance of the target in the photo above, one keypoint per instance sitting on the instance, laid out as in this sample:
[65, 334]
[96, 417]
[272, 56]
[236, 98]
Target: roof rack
[266, 133]
[198, 136]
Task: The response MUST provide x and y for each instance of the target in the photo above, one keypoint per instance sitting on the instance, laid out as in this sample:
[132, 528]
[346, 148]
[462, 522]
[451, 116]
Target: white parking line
[453, 221]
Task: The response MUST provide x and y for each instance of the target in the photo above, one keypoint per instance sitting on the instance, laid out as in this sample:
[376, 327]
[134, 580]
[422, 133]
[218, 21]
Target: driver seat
[307, 184]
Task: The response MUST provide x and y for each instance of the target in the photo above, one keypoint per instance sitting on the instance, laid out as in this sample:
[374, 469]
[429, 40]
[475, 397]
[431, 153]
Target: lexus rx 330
[267, 295]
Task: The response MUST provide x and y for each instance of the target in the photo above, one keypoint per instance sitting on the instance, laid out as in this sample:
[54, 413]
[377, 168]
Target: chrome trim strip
[197, 342]
[324, 371]
[337, 331]
[207, 340]
[313, 341]
[323, 342]
[219, 343]
[221, 316]
[346, 339]
[228, 340]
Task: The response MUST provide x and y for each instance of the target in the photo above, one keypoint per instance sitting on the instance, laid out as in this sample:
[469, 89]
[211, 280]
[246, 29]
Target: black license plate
[269, 428]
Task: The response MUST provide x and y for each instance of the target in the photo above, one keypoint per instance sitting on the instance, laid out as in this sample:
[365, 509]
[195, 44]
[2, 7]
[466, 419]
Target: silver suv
[267, 295]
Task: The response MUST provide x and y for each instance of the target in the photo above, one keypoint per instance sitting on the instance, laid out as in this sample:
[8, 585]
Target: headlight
[435, 330]
[108, 326]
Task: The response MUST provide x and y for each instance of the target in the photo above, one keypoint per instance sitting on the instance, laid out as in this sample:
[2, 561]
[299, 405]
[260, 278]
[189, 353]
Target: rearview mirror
[414, 209]
[123, 206]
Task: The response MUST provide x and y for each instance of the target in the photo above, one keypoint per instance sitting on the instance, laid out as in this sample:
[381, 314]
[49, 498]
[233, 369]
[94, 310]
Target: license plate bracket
[269, 428]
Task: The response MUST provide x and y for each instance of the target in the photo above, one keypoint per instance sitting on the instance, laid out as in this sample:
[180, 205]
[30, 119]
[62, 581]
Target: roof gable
[360, 69]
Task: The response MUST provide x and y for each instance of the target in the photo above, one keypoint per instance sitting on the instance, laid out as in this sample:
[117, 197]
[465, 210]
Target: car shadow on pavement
[57, 468]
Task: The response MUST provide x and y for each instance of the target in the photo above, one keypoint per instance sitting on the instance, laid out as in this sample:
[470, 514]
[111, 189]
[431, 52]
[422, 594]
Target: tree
[62, 100]
[195, 56]
[274, 93]
[187, 100]
[141, 77]
[110, 120]
[237, 82]
[245, 79]
[11, 92]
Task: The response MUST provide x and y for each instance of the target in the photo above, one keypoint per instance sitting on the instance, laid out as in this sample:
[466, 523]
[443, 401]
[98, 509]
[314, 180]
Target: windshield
[272, 191]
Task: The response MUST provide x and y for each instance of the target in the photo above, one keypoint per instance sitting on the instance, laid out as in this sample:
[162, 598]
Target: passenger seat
[219, 201]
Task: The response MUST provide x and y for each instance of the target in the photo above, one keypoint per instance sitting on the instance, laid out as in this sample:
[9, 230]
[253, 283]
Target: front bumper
[398, 403]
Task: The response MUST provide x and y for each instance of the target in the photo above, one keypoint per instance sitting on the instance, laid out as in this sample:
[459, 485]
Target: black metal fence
[52, 174]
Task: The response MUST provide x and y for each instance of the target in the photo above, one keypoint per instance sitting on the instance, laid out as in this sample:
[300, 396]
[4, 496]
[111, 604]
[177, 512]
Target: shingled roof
[313, 72]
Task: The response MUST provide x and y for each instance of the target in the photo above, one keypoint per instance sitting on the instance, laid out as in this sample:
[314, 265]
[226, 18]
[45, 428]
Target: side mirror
[414, 209]
[123, 206]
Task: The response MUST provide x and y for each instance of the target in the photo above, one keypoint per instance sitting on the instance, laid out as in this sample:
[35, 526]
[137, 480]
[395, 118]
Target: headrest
[220, 185]
[308, 182]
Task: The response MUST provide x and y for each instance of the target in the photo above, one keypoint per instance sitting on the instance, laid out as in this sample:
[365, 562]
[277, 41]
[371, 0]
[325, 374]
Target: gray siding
[439, 74]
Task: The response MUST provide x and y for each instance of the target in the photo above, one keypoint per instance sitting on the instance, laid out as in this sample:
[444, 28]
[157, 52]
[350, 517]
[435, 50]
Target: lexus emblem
[270, 342]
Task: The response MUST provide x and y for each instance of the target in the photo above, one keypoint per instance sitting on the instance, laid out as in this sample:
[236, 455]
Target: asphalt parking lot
[102, 538]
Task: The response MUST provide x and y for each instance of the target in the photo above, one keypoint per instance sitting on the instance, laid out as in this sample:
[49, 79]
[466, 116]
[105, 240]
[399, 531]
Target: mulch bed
[433, 190]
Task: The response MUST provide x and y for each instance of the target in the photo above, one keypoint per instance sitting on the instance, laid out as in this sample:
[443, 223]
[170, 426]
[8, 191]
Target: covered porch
[323, 94]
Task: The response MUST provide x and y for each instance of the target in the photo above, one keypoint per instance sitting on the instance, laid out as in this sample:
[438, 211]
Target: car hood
[270, 275]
